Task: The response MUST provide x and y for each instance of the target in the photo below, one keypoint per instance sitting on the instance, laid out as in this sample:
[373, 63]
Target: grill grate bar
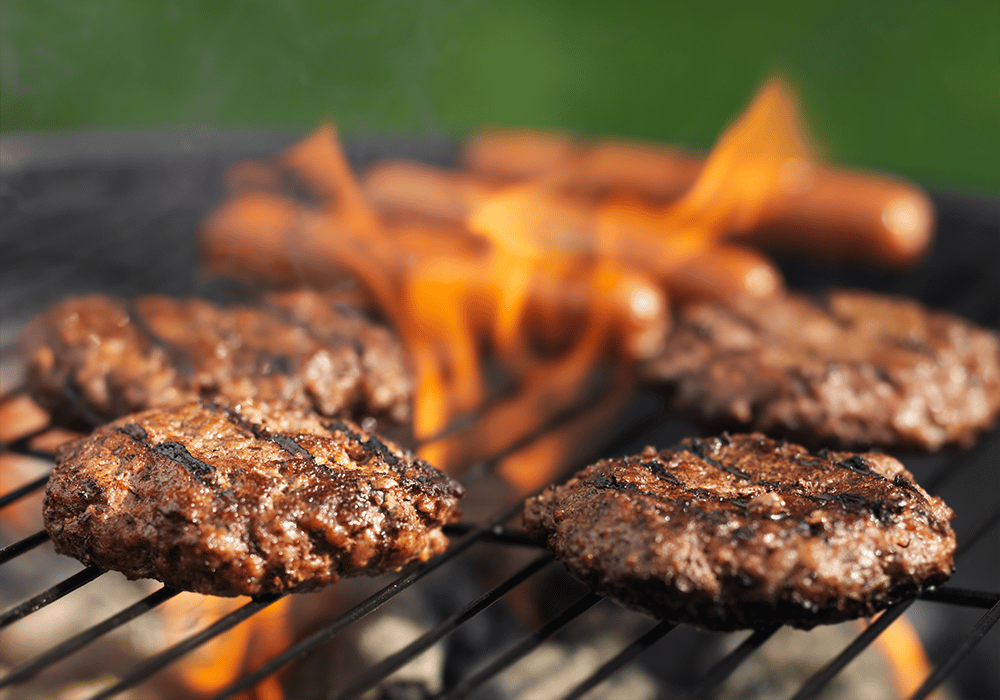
[21, 492]
[171, 654]
[51, 595]
[18, 548]
[359, 611]
[961, 596]
[731, 661]
[622, 658]
[499, 534]
[39, 663]
[523, 647]
[397, 660]
[937, 676]
[826, 674]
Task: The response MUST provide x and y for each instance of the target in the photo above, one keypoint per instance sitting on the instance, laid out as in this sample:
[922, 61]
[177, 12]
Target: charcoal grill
[118, 213]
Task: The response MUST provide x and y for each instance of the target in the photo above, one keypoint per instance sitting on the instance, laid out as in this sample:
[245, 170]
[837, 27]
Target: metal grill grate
[465, 537]
[957, 284]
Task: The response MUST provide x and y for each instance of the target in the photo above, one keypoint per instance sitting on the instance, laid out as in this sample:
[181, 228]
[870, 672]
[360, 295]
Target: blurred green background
[909, 87]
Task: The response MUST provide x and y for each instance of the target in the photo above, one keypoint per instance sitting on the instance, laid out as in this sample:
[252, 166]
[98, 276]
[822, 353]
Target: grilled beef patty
[849, 369]
[116, 357]
[743, 531]
[244, 500]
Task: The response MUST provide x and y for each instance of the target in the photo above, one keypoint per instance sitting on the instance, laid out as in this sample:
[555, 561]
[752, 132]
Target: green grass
[910, 87]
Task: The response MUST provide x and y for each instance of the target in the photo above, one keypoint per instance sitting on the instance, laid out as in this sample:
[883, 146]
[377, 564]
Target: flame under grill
[112, 209]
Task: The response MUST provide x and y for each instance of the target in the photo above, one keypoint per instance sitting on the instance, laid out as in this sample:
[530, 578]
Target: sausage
[658, 173]
[843, 215]
[257, 236]
[724, 271]
[518, 154]
[406, 186]
[821, 212]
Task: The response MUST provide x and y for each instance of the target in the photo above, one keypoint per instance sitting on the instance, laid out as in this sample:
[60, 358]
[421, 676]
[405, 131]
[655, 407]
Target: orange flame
[451, 292]
[241, 650]
[900, 644]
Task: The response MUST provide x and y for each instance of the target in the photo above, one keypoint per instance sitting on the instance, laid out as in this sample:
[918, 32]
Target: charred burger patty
[850, 369]
[244, 500]
[104, 357]
[740, 531]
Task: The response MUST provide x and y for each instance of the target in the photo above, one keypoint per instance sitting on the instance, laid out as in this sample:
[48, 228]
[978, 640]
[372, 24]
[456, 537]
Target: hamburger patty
[849, 369]
[247, 500]
[120, 357]
[741, 531]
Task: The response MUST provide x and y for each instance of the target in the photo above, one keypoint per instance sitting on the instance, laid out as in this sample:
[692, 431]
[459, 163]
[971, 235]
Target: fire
[601, 276]
[905, 654]
[214, 665]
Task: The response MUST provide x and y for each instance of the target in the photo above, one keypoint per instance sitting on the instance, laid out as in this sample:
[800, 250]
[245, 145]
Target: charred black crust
[372, 445]
[660, 470]
[383, 451]
[134, 431]
[856, 463]
[172, 450]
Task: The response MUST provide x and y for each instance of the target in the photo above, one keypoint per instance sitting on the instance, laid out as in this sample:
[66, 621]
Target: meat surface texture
[99, 357]
[744, 531]
[847, 369]
[249, 499]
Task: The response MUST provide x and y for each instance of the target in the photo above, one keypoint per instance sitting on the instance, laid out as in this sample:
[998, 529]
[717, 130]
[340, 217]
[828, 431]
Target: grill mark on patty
[824, 303]
[743, 318]
[174, 451]
[372, 444]
[699, 448]
[882, 510]
[609, 482]
[178, 358]
[856, 464]
[660, 471]
[285, 442]
[913, 345]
